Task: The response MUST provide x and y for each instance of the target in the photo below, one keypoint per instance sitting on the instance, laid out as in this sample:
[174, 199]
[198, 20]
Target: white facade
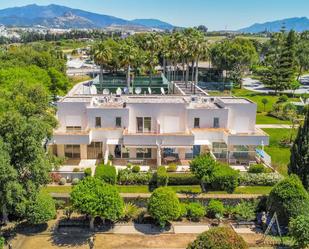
[154, 127]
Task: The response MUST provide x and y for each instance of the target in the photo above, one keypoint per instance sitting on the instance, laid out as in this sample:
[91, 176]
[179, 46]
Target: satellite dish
[118, 91]
[106, 91]
[138, 90]
[126, 90]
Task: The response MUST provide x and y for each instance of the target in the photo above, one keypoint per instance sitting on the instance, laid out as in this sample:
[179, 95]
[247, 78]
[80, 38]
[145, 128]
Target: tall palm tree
[102, 55]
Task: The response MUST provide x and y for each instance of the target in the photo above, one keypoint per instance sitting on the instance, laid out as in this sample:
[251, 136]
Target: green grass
[280, 156]
[261, 118]
[178, 189]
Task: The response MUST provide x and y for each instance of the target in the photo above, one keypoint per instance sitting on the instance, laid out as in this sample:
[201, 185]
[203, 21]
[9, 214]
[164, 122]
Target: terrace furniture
[169, 159]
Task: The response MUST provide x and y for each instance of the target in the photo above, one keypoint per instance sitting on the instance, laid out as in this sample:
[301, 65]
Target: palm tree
[102, 55]
[127, 56]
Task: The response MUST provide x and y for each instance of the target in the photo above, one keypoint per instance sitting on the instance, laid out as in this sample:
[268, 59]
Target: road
[257, 86]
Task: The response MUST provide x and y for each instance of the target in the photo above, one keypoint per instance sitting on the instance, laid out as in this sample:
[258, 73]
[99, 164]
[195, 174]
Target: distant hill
[56, 16]
[153, 23]
[298, 24]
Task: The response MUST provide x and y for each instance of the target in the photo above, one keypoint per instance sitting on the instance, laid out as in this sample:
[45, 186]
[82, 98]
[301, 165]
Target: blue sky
[215, 14]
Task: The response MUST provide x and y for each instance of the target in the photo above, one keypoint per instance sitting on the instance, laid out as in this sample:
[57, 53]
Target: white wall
[207, 117]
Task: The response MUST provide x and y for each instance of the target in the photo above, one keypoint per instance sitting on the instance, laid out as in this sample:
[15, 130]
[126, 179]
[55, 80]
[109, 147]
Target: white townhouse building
[155, 130]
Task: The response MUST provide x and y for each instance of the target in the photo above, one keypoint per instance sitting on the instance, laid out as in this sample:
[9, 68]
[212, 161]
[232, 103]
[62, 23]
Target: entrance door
[196, 150]
[117, 151]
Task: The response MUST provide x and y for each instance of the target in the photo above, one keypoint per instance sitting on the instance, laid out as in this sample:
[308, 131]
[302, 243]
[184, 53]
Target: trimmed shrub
[126, 177]
[129, 165]
[245, 211]
[41, 210]
[106, 173]
[195, 211]
[172, 167]
[164, 205]
[59, 204]
[88, 172]
[2, 241]
[219, 238]
[182, 179]
[62, 181]
[299, 230]
[183, 210]
[224, 178]
[161, 176]
[136, 169]
[257, 168]
[262, 179]
[75, 170]
[75, 181]
[215, 208]
[283, 98]
[288, 199]
[55, 177]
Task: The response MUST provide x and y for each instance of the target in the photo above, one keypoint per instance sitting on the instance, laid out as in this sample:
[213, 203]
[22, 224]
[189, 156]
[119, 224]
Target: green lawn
[280, 156]
[178, 189]
[264, 119]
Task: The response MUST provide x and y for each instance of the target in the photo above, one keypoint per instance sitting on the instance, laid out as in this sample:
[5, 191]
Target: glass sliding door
[139, 124]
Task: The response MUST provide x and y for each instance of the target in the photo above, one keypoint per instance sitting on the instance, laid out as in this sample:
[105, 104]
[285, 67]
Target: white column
[106, 153]
[159, 159]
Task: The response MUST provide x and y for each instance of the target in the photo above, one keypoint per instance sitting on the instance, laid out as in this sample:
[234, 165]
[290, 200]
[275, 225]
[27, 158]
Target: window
[196, 122]
[216, 123]
[142, 153]
[73, 128]
[143, 124]
[118, 122]
[97, 122]
[72, 151]
[94, 150]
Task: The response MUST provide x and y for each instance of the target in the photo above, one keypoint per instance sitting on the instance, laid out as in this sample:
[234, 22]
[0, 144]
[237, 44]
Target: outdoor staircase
[189, 90]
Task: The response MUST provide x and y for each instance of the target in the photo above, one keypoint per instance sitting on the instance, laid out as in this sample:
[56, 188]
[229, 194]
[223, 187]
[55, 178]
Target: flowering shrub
[262, 179]
[127, 177]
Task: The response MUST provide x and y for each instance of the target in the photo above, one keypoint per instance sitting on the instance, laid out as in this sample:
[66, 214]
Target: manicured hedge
[127, 177]
[106, 173]
[161, 176]
[261, 179]
[182, 179]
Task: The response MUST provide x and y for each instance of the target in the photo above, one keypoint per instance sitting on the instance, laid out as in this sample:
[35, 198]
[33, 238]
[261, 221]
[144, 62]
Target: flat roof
[233, 100]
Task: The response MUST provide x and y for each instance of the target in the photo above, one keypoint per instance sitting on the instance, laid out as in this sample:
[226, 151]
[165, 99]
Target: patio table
[169, 159]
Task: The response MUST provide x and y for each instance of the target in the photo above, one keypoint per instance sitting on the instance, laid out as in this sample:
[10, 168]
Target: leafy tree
[59, 83]
[95, 198]
[299, 230]
[164, 205]
[218, 238]
[299, 161]
[41, 210]
[288, 199]
[264, 102]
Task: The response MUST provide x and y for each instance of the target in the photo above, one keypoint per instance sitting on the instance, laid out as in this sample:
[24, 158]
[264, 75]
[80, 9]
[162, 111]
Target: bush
[283, 98]
[262, 179]
[2, 241]
[136, 169]
[215, 208]
[164, 205]
[161, 176]
[257, 168]
[195, 211]
[88, 172]
[126, 177]
[219, 238]
[75, 170]
[224, 178]
[172, 167]
[59, 204]
[299, 230]
[288, 199]
[245, 211]
[182, 179]
[41, 210]
[183, 210]
[62, 181]
[131, 212]
[106, 173]
[75, 181]
[55, 177]
[129, 165]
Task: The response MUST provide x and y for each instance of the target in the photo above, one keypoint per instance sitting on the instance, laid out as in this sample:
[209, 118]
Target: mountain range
[298, 24]
[56, 16]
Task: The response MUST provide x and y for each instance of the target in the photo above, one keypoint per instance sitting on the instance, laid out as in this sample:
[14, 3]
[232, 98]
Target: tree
[264, 102]
[41, 209]
[294, 86]
[218, 238]
[164, 205]
[288, 199]
[97, 199]
[299, 160]
[299, 230]
[302, 53]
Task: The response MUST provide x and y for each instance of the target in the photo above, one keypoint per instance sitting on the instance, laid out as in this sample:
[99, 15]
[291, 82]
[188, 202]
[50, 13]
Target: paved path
[276, 126]
[257, 86]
